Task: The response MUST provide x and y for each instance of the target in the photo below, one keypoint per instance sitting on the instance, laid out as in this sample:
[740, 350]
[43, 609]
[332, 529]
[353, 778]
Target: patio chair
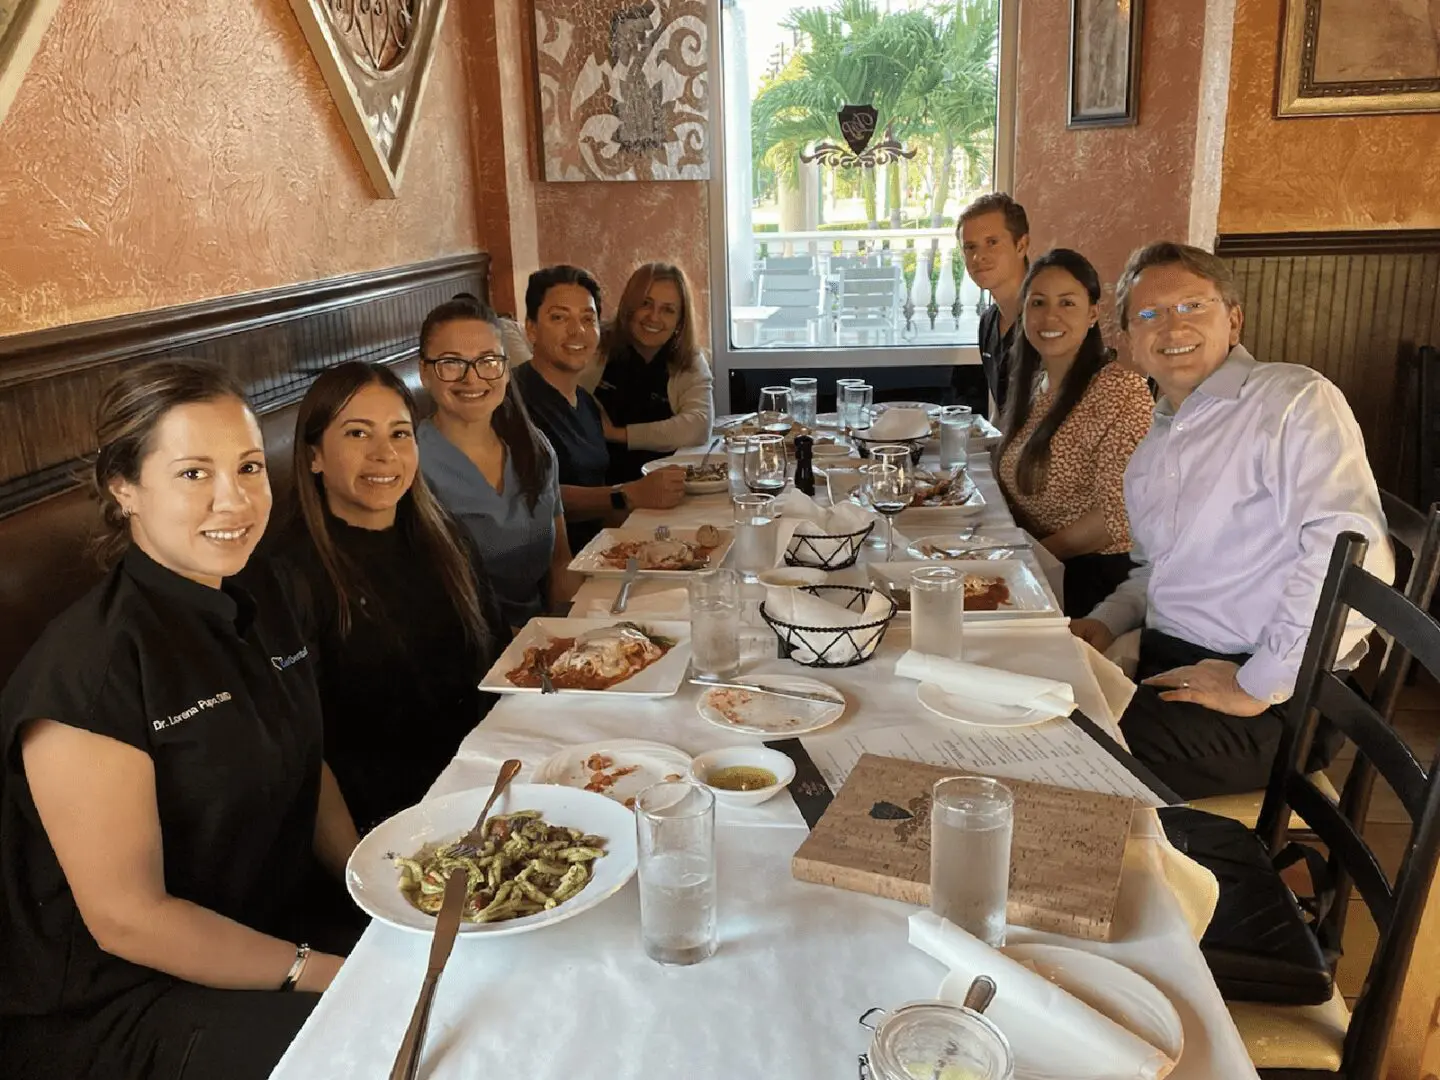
[870, 302]
[800, 299]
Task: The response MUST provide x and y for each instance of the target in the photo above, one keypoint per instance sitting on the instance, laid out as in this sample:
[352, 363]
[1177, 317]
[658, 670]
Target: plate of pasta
[549, 853]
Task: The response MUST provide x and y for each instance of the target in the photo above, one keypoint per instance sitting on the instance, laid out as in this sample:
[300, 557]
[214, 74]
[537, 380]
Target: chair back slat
[1343, 838]
[1413, 630]
[1375, 739]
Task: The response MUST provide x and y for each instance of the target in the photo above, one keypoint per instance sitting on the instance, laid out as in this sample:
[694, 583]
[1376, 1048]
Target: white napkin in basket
[898, 424]
[803, 516]
[991, 685]
[800, 608]
[1028, 1007]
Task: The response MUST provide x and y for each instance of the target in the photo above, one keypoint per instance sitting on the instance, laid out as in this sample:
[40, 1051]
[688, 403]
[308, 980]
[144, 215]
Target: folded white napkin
[988, 684]
[899, 424]
[803, 516]
[1034, 1013]
[800, 608]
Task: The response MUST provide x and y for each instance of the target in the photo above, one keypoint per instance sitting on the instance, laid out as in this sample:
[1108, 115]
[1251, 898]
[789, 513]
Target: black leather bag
[1260, 945]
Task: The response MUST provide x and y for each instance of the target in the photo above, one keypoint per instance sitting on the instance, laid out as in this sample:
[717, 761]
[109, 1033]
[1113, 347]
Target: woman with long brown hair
[1073, 418]
[656, 390]
[404, 616]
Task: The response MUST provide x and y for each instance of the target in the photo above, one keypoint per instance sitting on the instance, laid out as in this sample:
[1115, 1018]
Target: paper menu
[1057, 753]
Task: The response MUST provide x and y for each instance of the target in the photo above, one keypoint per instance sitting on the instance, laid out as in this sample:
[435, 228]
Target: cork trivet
[1065, 861]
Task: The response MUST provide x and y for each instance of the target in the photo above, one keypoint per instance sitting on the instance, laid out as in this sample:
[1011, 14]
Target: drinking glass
[842, 406]
[971, 822]
[955, 421]
[675, 826]
[756, 535]
[858, 399]
[803, 394]
[738, 449]
[767, 469]
[888, 487]
[937, 611]
[715, 623]
[774, 414]
[842, 483]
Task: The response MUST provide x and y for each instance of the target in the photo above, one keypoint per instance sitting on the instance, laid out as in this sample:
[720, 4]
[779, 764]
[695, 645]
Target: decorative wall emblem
[375, 56]
[22, 25]
[857, 124]
[624, 89]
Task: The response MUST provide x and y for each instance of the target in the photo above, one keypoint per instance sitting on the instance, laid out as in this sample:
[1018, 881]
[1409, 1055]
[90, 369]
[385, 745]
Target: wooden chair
[1294, 1042]
[1419, 534]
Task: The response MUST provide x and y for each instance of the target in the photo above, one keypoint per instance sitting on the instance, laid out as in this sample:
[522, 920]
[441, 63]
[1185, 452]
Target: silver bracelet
[302, 954]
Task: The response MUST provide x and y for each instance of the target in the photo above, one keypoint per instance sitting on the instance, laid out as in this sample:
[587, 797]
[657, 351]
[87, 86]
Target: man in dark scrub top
[562, 322]
[994, 235]
[163, 802]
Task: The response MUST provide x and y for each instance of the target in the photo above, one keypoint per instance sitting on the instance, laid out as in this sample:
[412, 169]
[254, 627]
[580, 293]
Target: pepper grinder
[805, 464]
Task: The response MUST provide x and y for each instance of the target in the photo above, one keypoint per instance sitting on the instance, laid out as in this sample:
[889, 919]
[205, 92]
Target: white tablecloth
[798, 963]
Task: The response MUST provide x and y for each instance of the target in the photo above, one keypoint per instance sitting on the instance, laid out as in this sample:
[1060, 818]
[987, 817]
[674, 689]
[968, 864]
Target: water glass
[842, 416]
[803, 395]
[857, 400]
[675, 826]
[767, 468]
[715, 623]
[937, 611]
[955, 421]
[972, 819]
[756, 535]
[774, 414]
[738, 450]
[842, 483]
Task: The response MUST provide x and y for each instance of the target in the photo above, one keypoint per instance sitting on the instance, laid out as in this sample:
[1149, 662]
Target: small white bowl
[792, 577]
[830, 450]
[760, 757]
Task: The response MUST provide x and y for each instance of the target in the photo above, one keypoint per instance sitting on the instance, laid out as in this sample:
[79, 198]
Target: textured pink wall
[165, 151]
[1105, 191]
[1318, 173]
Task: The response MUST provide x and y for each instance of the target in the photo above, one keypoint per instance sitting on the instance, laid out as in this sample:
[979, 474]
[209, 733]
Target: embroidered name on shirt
[194, 710]
[280, 663]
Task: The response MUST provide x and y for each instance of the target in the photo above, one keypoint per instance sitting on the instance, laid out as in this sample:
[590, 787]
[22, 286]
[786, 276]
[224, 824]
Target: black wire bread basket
[843, 549]
[832, 646]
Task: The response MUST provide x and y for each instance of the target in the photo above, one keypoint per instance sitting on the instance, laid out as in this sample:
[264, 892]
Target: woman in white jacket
[655, 389]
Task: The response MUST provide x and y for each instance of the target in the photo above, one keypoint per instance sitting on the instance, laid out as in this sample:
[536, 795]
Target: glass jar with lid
[936, 1040]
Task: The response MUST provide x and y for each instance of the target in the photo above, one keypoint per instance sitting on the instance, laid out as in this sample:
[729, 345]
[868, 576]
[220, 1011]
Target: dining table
[798, 963]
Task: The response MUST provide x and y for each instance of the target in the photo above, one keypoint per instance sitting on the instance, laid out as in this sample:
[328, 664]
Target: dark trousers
[1196, 751]
[1089, 579]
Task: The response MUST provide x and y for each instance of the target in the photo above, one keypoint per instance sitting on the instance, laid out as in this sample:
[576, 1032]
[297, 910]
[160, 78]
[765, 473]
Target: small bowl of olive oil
[743, 775]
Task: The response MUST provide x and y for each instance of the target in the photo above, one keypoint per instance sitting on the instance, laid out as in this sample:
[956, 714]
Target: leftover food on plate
[524, 866]
[594, 660]
[955, 489]
[957, 547]
[981, 594]
[604, 773]
[668, 554]
[741, 778]
[710, 471]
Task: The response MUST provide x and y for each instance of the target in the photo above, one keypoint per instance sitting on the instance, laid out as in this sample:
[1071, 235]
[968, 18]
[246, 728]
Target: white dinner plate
[695, 487]
[1111, 989]
[374, 880]
[1028, 595]
[957, 546]
[967, 710]
[592, 560]
[761, 714]
[642, 763]
[929, 409]
[660, 679]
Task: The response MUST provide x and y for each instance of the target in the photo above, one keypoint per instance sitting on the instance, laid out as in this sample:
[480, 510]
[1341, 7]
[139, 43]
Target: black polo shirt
[217, 686]
[995, 356]
[576, 433]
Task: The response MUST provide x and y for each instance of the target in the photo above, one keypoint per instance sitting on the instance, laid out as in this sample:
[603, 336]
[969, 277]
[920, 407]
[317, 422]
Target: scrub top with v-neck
[515, 541]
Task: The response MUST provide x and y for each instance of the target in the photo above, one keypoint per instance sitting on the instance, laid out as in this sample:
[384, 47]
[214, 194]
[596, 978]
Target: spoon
[980, 994]
[475, 838]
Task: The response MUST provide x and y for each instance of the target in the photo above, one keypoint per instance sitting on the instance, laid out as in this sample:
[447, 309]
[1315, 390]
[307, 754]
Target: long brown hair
[129, 411]
[681, 351]
[511, 420]
[1025, 364]
[419, 514]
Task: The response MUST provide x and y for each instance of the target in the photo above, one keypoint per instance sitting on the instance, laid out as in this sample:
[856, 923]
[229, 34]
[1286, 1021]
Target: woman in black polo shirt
[405, 618]
[164, 801]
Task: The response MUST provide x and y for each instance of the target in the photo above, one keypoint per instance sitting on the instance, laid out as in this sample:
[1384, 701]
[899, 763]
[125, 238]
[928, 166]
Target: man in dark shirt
[994, 236]
[562, 322]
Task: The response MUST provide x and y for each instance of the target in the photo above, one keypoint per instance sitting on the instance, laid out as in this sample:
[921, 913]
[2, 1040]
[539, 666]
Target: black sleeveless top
[634, 391]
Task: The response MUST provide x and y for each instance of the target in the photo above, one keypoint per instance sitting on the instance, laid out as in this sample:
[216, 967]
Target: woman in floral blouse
[1073, 419]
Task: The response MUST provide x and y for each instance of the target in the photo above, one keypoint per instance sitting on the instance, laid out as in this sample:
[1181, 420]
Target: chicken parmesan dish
[669, 554]
[594, 660]
[981, 594]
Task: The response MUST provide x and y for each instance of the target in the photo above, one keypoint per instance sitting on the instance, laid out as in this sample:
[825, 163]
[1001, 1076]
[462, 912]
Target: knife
[622, 598]
[775, 691]
[447, 925]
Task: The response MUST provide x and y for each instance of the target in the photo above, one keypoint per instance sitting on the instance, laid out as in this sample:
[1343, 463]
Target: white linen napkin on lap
[987, 684]
[800, 608]
[899, 424]
[1033, 1011]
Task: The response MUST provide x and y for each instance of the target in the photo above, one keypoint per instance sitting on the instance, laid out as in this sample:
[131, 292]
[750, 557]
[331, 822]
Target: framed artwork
[1341, 57]
[22, 25]
[624, 89]
[376, 59]
[1104, 62]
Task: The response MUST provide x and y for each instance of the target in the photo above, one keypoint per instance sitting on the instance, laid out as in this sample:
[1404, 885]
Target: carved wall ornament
[22, 25]
[375, 56]
[624, 89]
[857, 125]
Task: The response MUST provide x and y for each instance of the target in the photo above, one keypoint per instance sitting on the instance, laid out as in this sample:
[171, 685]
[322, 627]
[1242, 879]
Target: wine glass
[890, 484]
[767, 469]
[774, 414]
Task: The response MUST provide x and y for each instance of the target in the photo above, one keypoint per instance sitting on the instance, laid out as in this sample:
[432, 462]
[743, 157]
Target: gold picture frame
[1348, 57]
[22, 25]
[376, 60]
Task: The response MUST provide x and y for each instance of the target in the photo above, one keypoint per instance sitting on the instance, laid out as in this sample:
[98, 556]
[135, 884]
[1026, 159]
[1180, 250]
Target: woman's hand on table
[1213, 684]
[1093, 632]
[660, 490]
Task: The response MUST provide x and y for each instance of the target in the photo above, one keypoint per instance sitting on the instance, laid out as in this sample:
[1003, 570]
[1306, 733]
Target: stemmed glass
[774, 413]
[767, 469]
[890, 484]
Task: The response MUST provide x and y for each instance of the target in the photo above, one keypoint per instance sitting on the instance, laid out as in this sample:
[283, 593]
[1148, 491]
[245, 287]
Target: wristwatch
[617, 498]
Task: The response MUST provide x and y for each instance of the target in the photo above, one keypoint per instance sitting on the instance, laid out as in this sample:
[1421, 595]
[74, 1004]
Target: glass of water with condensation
[971, 822]
[675, 824]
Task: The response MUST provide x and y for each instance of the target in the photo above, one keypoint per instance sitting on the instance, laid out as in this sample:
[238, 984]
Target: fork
[662, 532]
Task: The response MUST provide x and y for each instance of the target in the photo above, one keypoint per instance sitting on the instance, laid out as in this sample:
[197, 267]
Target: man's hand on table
[1211, 683]
[661, 490]
[1093, 632]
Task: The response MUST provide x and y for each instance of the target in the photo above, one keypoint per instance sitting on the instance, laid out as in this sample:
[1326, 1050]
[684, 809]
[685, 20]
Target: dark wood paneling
[275, 340]
[1357, 307]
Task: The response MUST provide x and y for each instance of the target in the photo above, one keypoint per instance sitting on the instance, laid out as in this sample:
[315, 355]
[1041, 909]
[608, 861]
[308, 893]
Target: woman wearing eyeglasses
[1072, 420]
[488, 463]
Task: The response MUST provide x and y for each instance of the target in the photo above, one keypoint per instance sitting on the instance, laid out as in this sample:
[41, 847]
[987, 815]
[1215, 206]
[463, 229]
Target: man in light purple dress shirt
[1235, 499]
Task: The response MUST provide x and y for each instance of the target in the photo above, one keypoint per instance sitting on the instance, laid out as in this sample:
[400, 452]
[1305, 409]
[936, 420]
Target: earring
[126, 513]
